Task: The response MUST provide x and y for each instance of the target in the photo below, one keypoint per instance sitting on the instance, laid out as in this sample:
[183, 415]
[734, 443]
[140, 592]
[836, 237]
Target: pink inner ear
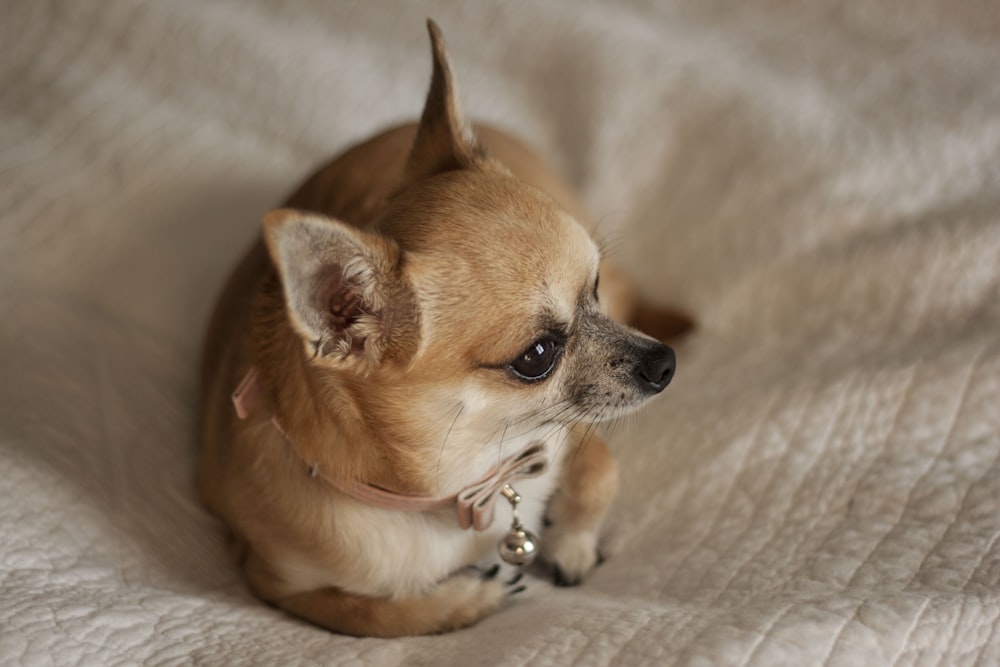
[339, 298]
[344, 309]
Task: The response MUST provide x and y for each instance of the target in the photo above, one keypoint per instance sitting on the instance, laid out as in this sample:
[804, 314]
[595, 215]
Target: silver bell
[519, 546]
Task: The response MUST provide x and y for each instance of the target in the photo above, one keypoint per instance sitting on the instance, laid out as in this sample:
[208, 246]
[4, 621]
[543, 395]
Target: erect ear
[339, 283]
[444, 142]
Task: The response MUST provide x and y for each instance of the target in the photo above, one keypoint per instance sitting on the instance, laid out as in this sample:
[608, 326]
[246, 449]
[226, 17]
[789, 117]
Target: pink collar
[474, 504]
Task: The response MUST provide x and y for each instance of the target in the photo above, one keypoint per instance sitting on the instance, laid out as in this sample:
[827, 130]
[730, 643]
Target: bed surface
[819, 183]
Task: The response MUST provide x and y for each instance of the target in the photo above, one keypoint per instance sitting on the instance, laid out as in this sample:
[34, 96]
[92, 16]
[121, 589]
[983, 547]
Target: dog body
[424, 309]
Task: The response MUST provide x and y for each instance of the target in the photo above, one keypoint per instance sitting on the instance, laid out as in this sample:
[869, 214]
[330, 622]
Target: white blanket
[818, 183]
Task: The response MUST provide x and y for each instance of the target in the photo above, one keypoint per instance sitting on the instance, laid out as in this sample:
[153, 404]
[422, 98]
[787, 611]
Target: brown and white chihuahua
[422, 319]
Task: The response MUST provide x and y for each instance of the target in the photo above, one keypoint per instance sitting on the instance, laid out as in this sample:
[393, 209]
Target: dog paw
[467, 597]
[512, 585]
[572, 554]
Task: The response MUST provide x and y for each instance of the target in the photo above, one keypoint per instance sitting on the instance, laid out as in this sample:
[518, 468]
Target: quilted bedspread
[817, 183]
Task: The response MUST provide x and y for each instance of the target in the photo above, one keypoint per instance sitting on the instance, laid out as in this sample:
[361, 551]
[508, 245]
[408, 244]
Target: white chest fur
[382, 552]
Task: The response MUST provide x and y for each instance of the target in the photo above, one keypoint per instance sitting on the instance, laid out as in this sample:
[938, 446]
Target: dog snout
[655, 368]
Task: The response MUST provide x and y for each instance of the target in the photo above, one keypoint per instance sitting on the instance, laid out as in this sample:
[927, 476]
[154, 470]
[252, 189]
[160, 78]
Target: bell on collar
[519, 546]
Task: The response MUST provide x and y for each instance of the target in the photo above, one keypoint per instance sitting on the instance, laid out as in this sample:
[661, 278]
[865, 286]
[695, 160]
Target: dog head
[468, 314]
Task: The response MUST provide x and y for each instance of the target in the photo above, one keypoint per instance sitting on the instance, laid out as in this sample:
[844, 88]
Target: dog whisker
[444, 443]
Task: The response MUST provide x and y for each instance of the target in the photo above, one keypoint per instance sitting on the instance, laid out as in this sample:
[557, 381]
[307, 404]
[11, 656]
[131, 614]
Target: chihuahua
[419, 332]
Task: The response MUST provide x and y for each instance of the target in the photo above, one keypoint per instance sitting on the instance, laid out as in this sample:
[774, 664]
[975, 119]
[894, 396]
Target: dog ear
[444, 141]
[339, 284]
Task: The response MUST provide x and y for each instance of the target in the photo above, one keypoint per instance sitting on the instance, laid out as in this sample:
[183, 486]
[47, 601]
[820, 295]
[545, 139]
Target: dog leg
[458, 601]
[664, 324]
[587, 487]
[622, 303]
[462, 599]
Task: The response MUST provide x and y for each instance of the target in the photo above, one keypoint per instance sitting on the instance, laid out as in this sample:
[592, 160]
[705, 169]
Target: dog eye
[536, 362]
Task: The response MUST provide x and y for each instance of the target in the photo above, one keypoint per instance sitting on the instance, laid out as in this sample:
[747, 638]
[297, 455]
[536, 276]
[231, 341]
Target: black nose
[655, 369]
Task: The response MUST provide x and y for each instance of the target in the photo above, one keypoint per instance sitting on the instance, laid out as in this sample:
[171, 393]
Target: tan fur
[382, 309]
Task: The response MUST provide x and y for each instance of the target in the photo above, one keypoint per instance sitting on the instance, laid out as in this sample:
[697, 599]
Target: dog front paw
[467, 597]
[571, 553]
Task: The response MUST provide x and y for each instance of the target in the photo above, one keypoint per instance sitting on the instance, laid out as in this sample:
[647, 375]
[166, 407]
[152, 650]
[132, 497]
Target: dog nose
[656, 368]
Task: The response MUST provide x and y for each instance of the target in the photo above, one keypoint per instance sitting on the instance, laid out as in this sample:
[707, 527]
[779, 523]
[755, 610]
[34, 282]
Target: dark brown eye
[536, 362]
